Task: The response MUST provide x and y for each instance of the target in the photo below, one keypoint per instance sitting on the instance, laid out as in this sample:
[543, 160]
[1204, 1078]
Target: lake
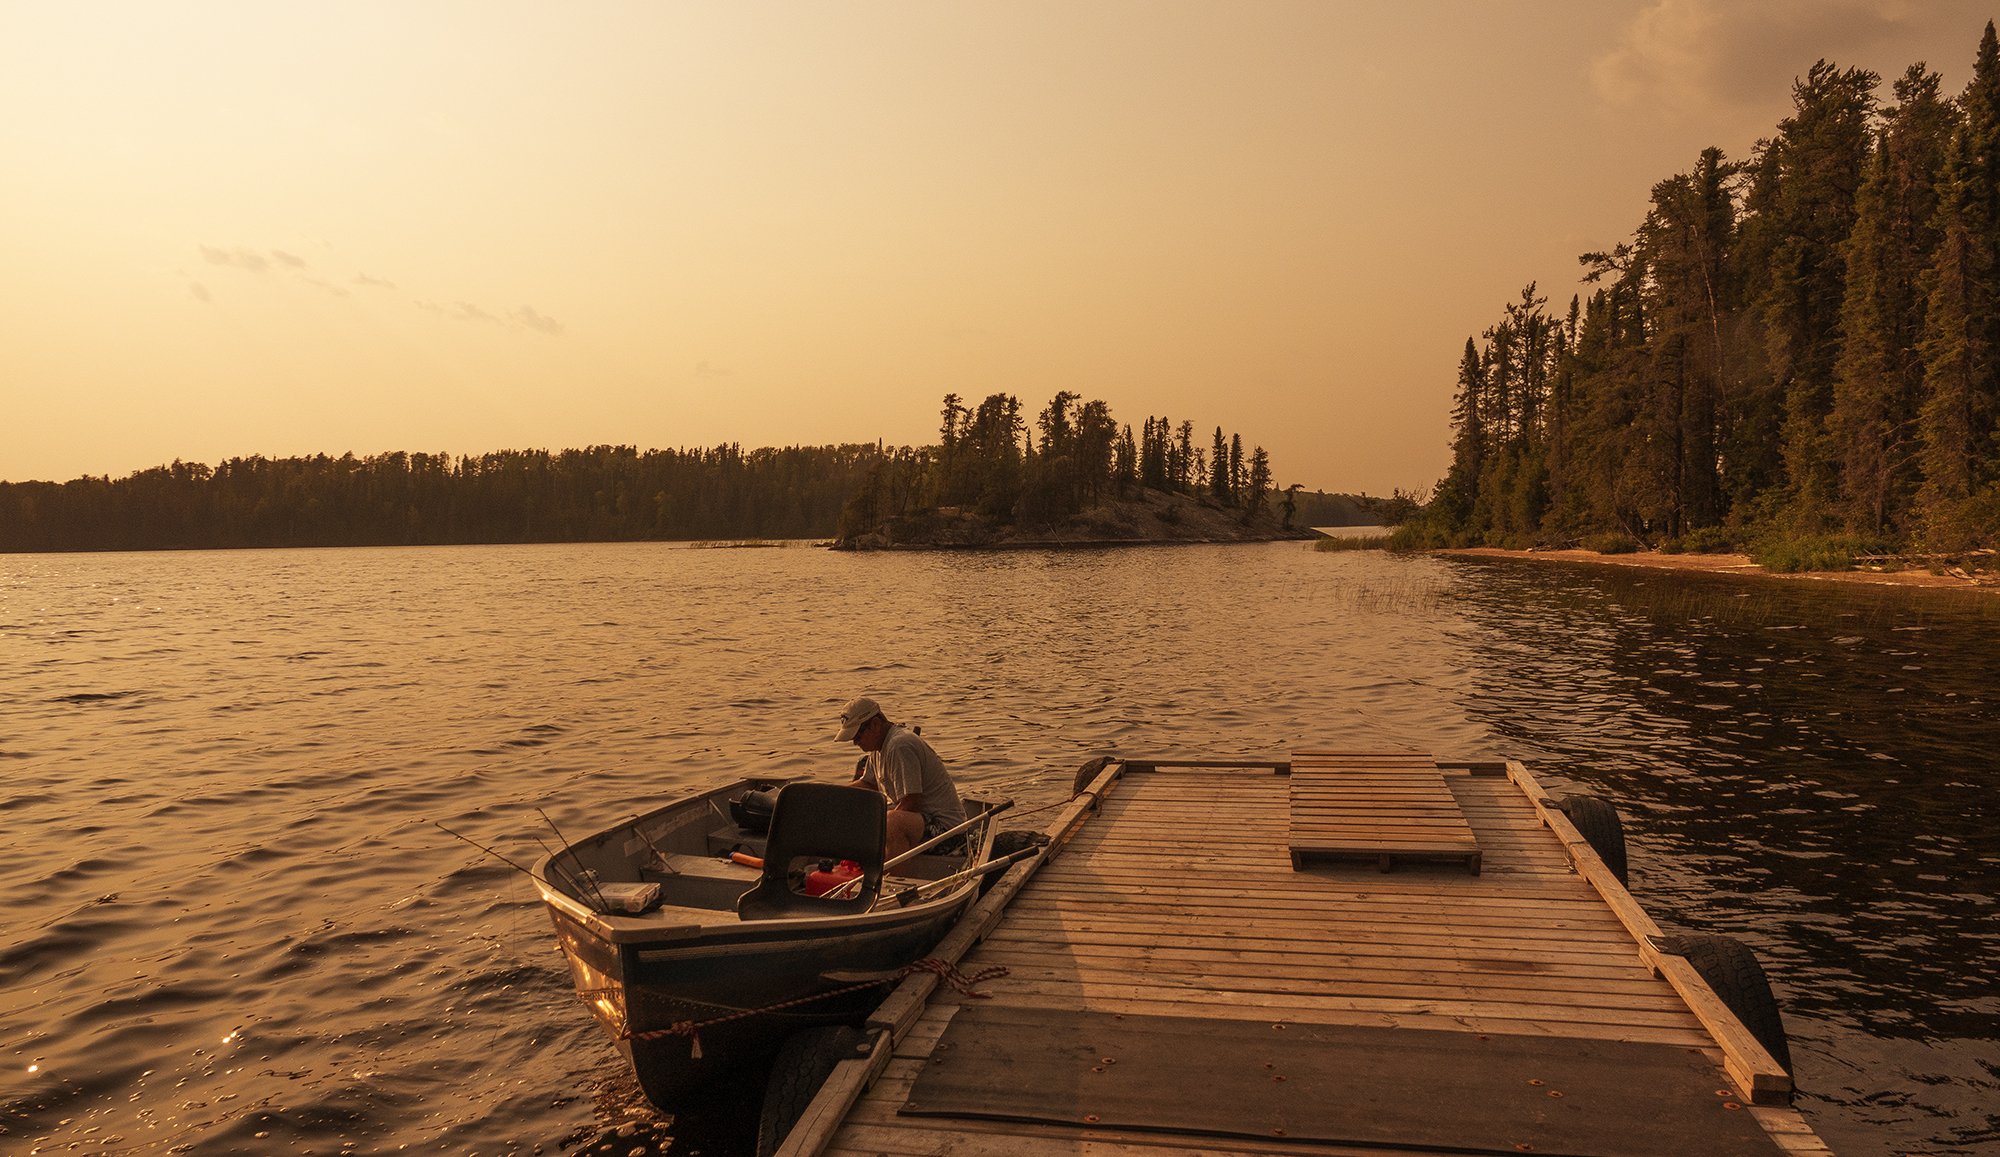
[233, 926]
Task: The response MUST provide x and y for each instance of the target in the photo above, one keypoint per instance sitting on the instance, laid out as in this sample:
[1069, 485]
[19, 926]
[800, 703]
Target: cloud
[238, 258]
[459, 311]
[1685, 57]
[527, 316]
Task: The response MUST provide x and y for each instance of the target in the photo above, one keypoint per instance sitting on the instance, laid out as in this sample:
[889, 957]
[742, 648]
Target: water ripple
[291, 958]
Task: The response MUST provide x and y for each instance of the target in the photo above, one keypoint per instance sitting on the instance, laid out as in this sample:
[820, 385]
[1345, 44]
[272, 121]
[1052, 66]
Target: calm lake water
[232, 927]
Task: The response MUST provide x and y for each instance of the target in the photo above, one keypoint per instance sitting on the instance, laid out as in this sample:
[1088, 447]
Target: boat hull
[700, 1015]
[696, 996]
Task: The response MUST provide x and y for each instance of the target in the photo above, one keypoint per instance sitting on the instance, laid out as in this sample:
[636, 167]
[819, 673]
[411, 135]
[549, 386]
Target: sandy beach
[1737, 564]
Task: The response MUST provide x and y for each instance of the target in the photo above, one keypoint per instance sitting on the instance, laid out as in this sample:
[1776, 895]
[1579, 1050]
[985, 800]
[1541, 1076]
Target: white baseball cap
[855, 716]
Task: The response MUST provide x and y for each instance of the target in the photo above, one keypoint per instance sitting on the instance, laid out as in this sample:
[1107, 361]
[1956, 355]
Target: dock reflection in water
[231, 926]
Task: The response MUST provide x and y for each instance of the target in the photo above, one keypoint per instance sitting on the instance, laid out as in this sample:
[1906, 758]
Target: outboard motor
[752, 810]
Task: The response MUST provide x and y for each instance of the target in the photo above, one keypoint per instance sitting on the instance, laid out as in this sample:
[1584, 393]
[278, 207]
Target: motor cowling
[752, 810]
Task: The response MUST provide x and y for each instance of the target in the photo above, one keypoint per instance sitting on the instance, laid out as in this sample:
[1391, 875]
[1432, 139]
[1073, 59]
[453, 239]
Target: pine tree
[1956, 356]
[1961, 348]
[1752, 402]
[1125, 463]
[1153, 454]
[1684, 247]
[1258, 485]
[1459, 492]
[1878, 378]
[1822, 153]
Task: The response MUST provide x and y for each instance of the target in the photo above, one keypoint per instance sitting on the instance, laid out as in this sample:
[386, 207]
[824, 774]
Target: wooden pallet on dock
[1376, 808]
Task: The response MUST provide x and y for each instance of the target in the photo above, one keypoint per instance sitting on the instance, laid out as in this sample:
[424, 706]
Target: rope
[959, 981]
[1047, 807]
[942, 969]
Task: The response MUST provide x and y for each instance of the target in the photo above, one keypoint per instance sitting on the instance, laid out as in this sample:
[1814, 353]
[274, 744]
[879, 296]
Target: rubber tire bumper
[1732, 971]
[1597, 821]
[801, 1066]
[1007, 843]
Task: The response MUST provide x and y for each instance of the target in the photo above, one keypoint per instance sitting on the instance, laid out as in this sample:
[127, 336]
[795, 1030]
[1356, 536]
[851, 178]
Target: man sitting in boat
[923, 802]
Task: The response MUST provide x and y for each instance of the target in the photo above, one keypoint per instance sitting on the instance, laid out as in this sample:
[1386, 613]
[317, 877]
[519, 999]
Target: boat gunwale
[729, 931]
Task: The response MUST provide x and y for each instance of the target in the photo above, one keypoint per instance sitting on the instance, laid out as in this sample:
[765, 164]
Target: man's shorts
[935, 826]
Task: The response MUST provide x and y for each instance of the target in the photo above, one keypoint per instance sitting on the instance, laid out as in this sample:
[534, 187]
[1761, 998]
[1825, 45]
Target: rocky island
[1085, 481]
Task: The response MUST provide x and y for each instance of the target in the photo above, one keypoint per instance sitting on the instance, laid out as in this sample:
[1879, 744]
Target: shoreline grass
[1374, 542]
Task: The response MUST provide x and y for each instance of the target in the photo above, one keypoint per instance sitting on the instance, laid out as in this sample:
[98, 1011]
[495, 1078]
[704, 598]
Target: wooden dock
[1179, 980]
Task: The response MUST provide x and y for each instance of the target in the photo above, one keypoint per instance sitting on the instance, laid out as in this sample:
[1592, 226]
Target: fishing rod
[555, 861]
[525, 872]
[484, 848]
[602, 904]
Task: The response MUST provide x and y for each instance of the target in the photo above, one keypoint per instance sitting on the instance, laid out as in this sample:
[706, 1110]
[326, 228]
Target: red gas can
[821, 882]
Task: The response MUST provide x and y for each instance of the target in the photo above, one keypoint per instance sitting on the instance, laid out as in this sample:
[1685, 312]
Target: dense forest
[1803, 345]
[988, 462]
[600, 494]
[987, 459]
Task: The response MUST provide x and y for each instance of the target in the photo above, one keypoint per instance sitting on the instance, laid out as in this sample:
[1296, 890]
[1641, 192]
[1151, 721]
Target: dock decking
[1181, 905]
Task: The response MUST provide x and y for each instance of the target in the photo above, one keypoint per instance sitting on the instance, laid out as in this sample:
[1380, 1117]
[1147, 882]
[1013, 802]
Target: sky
[234, 229]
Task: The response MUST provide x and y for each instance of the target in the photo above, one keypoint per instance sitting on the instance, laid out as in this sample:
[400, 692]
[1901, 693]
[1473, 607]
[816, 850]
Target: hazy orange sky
[289, 228]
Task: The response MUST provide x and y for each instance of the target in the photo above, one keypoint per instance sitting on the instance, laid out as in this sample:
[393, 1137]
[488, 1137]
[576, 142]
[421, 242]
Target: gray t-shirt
[906, 765]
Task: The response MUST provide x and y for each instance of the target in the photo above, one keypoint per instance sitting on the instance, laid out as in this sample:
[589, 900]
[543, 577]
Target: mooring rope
[943, 969]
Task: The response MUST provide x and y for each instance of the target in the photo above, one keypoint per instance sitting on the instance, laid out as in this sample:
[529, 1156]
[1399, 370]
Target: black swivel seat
[819, 821]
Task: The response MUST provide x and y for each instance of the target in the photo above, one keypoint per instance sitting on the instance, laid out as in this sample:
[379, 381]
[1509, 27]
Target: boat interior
[696, 850]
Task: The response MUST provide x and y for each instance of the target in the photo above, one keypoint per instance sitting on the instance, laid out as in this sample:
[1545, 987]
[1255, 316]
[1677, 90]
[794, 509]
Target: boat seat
[813, 822]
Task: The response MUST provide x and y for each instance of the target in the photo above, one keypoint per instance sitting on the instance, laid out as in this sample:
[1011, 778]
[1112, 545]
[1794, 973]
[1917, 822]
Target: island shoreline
[1062, 544]
[1728, 564]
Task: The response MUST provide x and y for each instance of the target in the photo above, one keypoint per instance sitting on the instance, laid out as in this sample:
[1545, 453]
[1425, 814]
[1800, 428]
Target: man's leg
[906, 831]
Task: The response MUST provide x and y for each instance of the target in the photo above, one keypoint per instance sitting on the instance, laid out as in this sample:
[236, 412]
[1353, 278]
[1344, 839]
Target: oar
[908, 896]
[942, 836]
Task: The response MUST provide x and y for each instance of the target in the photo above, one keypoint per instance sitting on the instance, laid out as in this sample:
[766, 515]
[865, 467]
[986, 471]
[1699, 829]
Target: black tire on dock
[802, 1065]
[1088, 773]
[1731, 969]
[1006, 844]
[1014, 839]
[1597, 821]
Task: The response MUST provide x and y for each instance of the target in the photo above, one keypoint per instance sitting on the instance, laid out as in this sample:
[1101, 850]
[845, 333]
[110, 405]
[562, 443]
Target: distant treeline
[1318, 508]
[987, 460]
[604, 493]
[1806, 343]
